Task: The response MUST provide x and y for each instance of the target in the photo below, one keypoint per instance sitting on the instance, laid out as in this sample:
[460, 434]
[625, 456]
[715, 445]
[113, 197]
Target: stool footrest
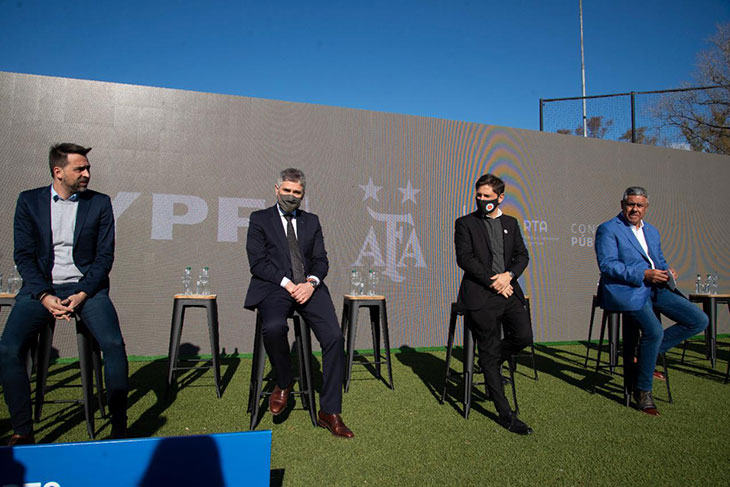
[63, 401]
[370, 362]
[291, 393]
[177, 367]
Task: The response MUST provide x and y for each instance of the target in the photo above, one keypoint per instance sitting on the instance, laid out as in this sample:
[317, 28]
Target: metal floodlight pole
[583, 70]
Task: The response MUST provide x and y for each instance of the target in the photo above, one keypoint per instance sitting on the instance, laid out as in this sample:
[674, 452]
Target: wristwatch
[511, 274]
[313, 283]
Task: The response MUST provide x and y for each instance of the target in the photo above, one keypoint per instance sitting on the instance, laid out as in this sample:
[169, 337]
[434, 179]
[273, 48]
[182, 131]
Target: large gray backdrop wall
[186, 169]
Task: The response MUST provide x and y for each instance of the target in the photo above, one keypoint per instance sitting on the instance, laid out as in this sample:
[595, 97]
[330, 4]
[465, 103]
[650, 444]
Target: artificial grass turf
[406, 437]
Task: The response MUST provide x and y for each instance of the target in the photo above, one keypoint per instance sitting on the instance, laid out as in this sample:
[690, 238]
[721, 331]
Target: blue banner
[217, 460]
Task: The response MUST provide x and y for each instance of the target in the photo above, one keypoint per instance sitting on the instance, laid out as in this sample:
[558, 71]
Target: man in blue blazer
[288, 264]
[636, 280]
[64, 250]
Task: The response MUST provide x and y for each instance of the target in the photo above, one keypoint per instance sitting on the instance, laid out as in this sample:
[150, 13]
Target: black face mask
[289, 203]
[487, 206]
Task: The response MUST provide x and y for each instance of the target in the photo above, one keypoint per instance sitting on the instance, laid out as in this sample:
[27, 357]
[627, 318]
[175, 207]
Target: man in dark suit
[64, 250]
[288, 264]
[490, 250]
[636, 279]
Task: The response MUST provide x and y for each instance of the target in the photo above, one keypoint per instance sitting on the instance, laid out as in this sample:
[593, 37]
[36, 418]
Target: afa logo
[400, 252]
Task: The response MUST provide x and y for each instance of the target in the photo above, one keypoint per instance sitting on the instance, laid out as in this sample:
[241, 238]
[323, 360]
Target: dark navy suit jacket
[93, 246]
[268, 253]
[622, 262]
[474, 256]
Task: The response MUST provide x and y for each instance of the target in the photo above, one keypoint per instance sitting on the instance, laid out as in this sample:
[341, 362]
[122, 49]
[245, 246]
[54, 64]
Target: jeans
[690, 320]
[24, 323]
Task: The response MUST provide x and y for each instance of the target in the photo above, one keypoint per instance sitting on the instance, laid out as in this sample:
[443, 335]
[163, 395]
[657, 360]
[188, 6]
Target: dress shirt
[639, 233]
[285, 280]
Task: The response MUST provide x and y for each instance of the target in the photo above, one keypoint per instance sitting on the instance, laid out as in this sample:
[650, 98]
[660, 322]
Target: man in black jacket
[490, 250]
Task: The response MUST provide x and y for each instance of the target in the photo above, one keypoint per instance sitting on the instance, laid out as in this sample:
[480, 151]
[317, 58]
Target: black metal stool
[612, 321]
[7, 300]
[469, 371]
[89, 366]
[183, 301]
[303, 346]
[594, 306]
[709, 306]
[379, 324]
[531, 353]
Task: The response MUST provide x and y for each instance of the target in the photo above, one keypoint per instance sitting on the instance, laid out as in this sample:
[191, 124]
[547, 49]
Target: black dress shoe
[17, 440]
[645, 402]
[513, 424]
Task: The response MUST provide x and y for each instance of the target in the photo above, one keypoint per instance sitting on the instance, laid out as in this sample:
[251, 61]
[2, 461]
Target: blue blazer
[622, 262]
[93, 246]
[268, 253]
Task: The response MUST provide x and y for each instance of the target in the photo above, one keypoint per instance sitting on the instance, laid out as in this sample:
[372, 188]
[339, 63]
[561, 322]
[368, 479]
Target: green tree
[596, 126]
[641, 136]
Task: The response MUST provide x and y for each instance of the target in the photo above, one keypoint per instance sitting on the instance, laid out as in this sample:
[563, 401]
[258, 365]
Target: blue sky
[482, 61]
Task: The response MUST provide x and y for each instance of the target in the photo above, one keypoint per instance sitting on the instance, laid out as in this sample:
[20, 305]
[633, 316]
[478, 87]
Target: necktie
[297, 265]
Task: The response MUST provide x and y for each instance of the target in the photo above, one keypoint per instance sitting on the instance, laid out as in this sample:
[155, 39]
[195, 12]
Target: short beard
[78, 188]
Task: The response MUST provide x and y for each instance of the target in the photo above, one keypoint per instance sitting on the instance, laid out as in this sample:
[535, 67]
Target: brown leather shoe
[278, 399]
[334, 423]
[17, 440]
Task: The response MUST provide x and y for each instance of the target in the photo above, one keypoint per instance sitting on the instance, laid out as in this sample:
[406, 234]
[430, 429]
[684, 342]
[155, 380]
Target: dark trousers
[485, 323]
[24, 323]
[319, 313]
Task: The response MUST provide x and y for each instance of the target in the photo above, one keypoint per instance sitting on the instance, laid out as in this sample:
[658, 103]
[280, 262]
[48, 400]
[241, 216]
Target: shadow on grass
[152, 378]
[54, 425]
[568, 366]
[431, 369]
[696, 361]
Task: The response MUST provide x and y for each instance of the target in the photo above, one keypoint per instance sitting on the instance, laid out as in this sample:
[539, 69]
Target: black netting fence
[687, 118]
